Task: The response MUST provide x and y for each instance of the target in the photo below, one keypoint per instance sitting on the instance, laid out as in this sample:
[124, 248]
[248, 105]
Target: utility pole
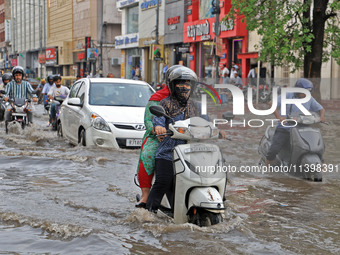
[216, 10]
[101, 40]
[157, 39]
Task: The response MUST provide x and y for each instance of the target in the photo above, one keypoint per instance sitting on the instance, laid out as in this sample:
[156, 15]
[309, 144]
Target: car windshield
[119, 94]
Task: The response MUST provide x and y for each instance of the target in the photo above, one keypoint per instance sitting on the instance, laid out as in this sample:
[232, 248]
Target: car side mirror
[75, 101]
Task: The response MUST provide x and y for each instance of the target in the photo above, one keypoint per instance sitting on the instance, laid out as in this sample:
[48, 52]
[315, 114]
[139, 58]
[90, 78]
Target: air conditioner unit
[115, 61]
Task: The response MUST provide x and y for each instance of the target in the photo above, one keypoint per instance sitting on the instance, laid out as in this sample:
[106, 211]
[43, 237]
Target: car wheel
[82, 139]
[59, 130]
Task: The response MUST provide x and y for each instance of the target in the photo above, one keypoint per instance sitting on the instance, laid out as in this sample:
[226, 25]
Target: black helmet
[7, 76]
[56, 77]
[170, 69]
[18, 69]
[181, 73]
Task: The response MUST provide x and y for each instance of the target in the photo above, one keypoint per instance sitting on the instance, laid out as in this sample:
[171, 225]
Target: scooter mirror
[2, 92]
[228, 116]
[157, 110]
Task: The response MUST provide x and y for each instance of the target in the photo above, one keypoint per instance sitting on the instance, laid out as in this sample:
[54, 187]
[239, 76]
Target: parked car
[105, 112]
[34, 82]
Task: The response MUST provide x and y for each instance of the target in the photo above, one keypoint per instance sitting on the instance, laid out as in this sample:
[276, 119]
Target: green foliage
[286, 34]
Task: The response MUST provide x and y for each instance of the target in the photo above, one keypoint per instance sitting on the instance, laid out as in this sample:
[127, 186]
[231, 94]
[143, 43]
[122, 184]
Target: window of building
[132, 20]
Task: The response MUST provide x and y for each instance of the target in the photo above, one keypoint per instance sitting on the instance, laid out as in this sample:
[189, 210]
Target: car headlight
[99, 123]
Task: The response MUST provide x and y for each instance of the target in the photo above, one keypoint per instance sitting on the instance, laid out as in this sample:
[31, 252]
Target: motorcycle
[302, 157]
[2, 105]
[19, 108]
[58, 100]
[199, 183]
[47, 104]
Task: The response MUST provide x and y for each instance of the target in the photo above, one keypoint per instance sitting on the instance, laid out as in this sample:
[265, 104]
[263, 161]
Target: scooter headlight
[182, 130]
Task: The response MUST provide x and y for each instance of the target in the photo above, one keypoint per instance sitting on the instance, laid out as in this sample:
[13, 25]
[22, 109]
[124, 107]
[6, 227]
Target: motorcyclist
[6, 78]
[57, 90]
[18, 88]
[178, 106]
[282, 133]
[48, 85]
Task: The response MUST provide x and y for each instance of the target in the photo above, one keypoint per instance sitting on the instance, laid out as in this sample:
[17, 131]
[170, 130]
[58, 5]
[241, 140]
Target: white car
[105, 112]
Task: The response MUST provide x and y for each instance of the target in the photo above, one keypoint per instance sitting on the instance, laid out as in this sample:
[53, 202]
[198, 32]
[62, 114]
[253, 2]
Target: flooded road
[56, 198]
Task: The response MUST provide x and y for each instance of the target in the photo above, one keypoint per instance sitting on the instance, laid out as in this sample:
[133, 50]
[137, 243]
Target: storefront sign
[81, 56]
[149, 4]
[50, 56]
[126, 41]
[172, 27]
[41, 58]
[92, 53]
[183, 49]
[125, 3]
[172, 20]
[14, 62]
[202, 29]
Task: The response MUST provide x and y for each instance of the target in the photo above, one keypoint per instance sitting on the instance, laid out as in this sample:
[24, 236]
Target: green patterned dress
[150, 142]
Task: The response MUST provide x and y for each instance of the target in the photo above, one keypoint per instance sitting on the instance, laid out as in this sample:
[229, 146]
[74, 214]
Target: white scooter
[303, 154]
[200, 182]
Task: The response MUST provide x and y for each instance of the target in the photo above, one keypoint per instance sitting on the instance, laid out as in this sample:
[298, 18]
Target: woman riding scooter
[179, 107]
[146, 163]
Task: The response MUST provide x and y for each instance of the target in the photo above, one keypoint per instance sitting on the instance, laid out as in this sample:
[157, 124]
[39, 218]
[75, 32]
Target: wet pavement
[56, 198]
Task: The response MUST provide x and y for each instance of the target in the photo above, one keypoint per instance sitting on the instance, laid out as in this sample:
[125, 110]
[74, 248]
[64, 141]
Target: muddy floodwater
[56, 198]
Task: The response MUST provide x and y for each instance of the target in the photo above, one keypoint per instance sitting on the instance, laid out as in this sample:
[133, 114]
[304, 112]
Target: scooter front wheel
[205, 218]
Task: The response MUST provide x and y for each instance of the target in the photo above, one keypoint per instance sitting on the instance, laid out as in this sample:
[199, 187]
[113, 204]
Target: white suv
[105, 112]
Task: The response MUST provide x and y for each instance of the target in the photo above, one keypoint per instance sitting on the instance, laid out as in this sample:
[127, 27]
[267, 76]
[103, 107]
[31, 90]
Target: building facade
[58, 52]
[5, 34]
[175, 52]
[95, 25]
[151, 38]
[128, 41]
[199, 32]
[28, 35]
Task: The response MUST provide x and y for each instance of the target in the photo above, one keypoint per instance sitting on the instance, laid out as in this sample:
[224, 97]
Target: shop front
[151, 40]
[200, 35]
[131, 54]
[175, 51]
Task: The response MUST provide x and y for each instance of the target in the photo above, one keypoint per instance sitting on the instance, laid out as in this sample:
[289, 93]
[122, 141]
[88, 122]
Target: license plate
[133, 142]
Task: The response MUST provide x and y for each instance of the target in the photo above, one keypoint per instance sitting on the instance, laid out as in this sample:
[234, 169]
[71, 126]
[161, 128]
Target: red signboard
[204, 30]
[14, 62]
[81, 56]
[173, 20]
[50, 54]
[41, 58]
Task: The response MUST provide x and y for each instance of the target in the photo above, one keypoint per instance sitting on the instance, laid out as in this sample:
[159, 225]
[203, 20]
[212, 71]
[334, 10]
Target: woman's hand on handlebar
[159, 131]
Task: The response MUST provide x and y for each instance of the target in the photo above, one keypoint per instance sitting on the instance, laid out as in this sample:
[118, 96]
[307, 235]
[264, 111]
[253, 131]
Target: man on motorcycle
[49, 84]
[57, 90]
[19, 89]
[282, 133]
[6, 78]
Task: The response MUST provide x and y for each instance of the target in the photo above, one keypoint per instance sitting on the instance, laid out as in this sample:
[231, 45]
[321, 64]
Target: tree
[300, 34]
